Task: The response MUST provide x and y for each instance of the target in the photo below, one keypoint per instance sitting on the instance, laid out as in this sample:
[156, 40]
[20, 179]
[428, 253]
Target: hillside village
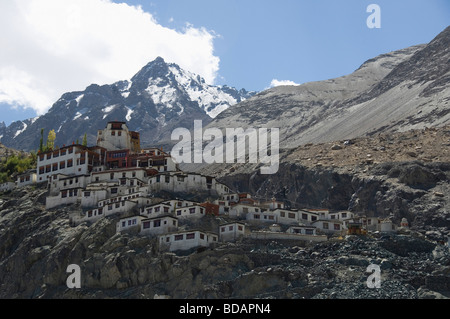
[152, 197]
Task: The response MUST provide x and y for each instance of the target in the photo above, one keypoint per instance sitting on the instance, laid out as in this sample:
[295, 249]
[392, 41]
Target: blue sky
[245, 44]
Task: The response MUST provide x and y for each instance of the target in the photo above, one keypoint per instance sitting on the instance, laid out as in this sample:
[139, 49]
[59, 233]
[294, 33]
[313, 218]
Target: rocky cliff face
[393, 92]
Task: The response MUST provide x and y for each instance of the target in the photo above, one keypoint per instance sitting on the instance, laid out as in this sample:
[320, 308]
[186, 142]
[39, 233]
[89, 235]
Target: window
[240, 228]
[70, 163]
[256, 216]
[62, 165]
[48, 169]
[190, 236]
[110, 207]
[113, 190]
[179, 212]
[64, 194]
[291, 215]
[202, 236]
[282, 214]
[63, 152]
[271, 217]
[41, 170]
[192, 210]
[305, 216]
[179, 237]
[344, 215]
[230, 228]
[309, 232]
[313, 218]
[337, 227]
[157, 223]
[71, 150]
[117, 205]
[222, 229]
[49, 156]
[325, 226]
[129, 222]
[166, 209]
[87, 194]
[245, 210]
[90, 213]
[157, 209]
[113, 133]
[123, 224]
[332, 216]
[146, 225]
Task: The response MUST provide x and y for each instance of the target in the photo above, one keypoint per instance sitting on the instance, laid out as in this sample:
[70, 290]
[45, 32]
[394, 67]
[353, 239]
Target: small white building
[64, 197]
[129, 223]
[265, 217]
[7, 186]
[27, 178]
[159, 225]
[156, 210]
[186, 240]
[387, 226]
[231, 231]
[302, 229]
[329, 226]
[242, 210]
[288, 217]
[194, 211]
[186, 183]
[60, 182]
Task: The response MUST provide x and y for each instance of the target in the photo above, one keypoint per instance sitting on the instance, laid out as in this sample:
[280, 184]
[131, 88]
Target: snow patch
[78, 99]
[108, 109]
[21, 131]
[129, 113]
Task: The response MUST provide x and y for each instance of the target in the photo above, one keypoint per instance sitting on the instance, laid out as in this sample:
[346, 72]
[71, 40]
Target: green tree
[41, 142]
[85, 140]
[51, 140]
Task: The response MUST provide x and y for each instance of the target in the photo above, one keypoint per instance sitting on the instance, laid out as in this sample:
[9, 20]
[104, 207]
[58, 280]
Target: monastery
[119, 178]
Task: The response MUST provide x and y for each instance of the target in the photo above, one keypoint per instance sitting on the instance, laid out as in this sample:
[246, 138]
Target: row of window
[156, 224]
[189, 236]
[56, 154]
[231, 228]
[69, 193]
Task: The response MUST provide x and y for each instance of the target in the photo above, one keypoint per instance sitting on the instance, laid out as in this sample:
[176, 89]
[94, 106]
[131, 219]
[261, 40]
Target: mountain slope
[397, 91]
[158, 99]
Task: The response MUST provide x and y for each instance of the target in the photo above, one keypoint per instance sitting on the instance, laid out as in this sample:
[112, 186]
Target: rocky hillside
[393, 92]
[158, 99]
[36, 246]
[407, 175]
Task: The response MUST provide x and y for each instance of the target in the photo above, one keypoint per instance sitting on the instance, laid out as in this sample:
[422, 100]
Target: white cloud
[50, 47]
[276, 82]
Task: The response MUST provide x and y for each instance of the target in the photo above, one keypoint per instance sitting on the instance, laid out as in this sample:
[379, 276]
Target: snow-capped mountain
[158, 99]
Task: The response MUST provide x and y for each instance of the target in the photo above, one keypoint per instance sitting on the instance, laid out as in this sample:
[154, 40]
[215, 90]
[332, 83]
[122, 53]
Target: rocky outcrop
[36, 246]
